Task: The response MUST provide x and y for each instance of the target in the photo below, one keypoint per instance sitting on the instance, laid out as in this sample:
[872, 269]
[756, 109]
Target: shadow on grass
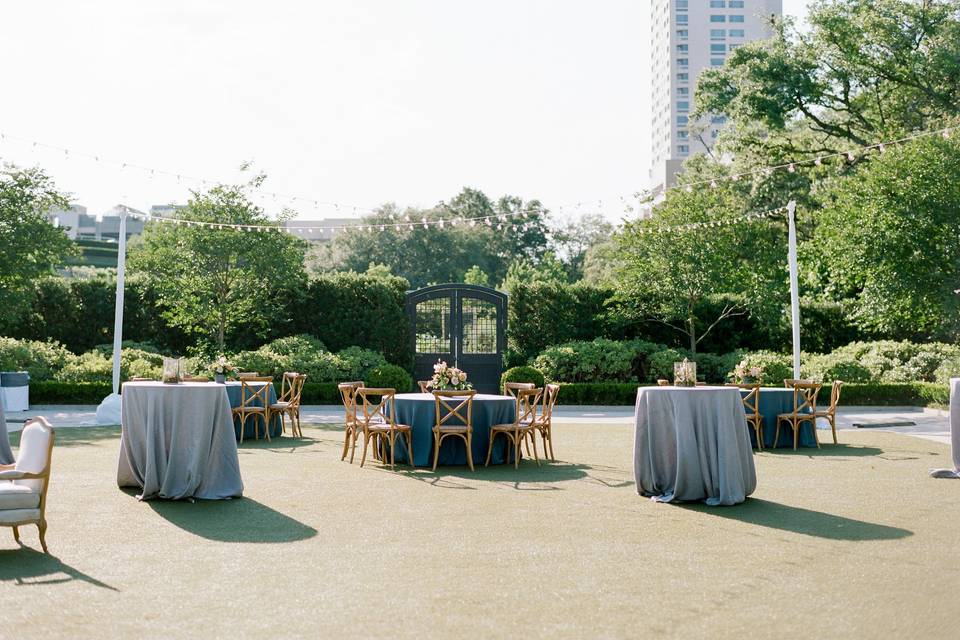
[285, 444]
[827, 450]
[774, 515]
[26, 567]
[238, 520]
[528, 477]
[76, 436]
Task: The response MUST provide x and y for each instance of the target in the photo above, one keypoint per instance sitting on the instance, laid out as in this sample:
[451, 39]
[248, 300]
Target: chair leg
[16, 534]
[346, 442]
[470, 451]
[42, 527]
[758, 431]
[536, 456]
[526, 445]
[493, 435]
[363, 458]
[813, 426]
[776, 434]
[553, 458]
[241, 429]
[409, 435]
[516, 442]
[266, 426]
[436, 449]
[833, 427]
[796, 433]
[393, 448]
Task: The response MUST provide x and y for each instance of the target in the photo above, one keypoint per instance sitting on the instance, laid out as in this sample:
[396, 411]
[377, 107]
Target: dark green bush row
[51, 392]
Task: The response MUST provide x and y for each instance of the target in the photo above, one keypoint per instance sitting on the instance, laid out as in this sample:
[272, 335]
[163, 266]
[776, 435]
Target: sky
[345, 105]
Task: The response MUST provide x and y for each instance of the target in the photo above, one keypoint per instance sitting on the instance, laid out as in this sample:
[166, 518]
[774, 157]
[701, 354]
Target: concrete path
[932, 424]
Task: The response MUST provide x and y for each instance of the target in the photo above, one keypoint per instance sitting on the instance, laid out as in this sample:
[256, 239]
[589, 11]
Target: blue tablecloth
[233, 394]
[419, 411]
[773, 402]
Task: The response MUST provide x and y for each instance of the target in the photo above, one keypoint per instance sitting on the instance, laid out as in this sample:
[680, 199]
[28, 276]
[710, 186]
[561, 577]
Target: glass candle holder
[685, 374]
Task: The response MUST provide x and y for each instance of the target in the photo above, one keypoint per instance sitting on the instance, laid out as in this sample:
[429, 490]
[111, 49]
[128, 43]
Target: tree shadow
[818, 524]
[77, 436]
[237, 520]
[26, 567]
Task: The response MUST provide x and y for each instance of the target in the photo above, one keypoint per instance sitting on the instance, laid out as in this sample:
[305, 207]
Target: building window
[718, 48]
[683, 62]
[713, 133]
[683, 91]
[716, 18]
[682, 121]
[718, 4]
[683, 105]
[718, 119]
[736, 4]
[683, 135]
[683, 48]
[734, 46]
[684, 19]
[682, 34]
[681, 5]
[683, 77]
[718, 34]
[736, 18]
[736, 33]
[683, 148]
[716, 62]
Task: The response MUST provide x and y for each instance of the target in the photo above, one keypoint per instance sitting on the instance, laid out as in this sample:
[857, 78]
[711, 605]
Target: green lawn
[853, 540]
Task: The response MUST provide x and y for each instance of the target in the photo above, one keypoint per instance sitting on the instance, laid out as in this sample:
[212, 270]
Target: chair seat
[18, 496]
[802, 416]
[280, 405]
[523, 426]
[386, 426]
[452, 428]
[823, 414]
[250, 410]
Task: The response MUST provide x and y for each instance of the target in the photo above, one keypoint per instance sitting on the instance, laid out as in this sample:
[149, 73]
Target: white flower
[463, 376]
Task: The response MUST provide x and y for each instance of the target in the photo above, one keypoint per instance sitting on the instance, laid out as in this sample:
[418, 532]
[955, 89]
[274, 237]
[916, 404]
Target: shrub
[661, 363]
[294, 346]
[52, 392]
[711, 368]
[949, 368]
[42, 360]
[830, 367]
[357, 363]
[389, 376]
[522, 374]
[601, 360]
[91, 366]
[774, 367]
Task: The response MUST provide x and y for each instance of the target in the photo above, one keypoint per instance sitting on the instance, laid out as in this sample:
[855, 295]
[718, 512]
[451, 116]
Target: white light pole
[109, 410]
[794, 287]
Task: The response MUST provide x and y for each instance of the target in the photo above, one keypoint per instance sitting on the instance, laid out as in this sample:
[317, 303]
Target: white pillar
[794, 287]
[109, 410]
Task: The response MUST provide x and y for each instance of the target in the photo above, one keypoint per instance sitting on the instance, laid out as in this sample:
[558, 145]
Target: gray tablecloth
[177, 441]
[954, 433]
[692, 444]
[6, 455]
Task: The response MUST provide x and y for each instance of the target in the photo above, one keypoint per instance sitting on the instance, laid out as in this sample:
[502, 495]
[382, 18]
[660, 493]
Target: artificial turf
[852, 540]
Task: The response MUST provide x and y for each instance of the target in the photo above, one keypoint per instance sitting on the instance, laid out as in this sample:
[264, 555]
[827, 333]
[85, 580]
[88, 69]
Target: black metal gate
[463, 325]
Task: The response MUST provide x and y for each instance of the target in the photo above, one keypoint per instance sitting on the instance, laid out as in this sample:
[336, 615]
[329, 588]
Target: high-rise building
[688, 36]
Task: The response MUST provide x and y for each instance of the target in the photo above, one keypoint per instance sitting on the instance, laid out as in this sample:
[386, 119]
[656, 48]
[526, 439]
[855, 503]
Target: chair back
[297, 389]
[286, 386]
[424, 386]
[528, 400]
[548, 400]
[247, 374]
[663, 383]
[454, 408]
[835, 395]
[789, 383]
[805, 397]
[375, 410]
[348, 394]
[255, 396]
[751, 401]
[36, 448]
[513, 388]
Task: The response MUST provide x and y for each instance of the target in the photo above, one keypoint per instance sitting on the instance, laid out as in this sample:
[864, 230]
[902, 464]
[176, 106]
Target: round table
[419, 411]
[773, 402]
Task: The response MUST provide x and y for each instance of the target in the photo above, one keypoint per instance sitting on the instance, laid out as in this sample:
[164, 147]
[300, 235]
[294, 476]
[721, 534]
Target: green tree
[475, 275]
[864, 71]
[889, 238]
[210, 281]
[574, 240]
[669, 276]
[547, 269]
[29, 245]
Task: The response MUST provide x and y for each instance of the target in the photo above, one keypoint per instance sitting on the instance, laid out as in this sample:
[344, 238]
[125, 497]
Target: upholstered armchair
[23, 485]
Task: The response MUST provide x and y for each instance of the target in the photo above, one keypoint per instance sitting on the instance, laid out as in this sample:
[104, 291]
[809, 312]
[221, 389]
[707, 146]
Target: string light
[712, 224]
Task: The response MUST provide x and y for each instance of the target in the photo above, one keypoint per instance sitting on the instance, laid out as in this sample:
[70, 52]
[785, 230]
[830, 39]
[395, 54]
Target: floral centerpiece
[221, 368]
[743, 373]
[685, 373]
[448, 378]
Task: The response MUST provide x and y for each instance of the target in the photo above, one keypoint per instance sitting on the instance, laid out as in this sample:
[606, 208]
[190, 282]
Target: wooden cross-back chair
[288, 404]
[247, 374]
[378, 422]
[424, 386]
[23, 484]
[543, 421]
[255, 403]
[804, 410]
[513, 388]
[351, 426]
[454, 417]
[831, 412]
[521, 427]
[789, 383]
[751, 406]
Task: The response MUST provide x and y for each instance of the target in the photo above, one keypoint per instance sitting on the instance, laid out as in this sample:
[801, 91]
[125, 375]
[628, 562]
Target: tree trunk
[220, 331]
[692, 332]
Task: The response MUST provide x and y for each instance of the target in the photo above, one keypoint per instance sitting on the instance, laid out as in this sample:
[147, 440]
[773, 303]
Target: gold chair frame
[512, 389]
[10, 473]
[517, 432]
[543, 424]
[423, 386]
[249, 395]
[288, 404]
[377, 425]
[804, 397]
[831, 412]
[351, 425]
[751, 406]
[789, 383]
[443, 429]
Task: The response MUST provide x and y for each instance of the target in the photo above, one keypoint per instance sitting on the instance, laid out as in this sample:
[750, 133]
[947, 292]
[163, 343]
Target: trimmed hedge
[50, 392]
